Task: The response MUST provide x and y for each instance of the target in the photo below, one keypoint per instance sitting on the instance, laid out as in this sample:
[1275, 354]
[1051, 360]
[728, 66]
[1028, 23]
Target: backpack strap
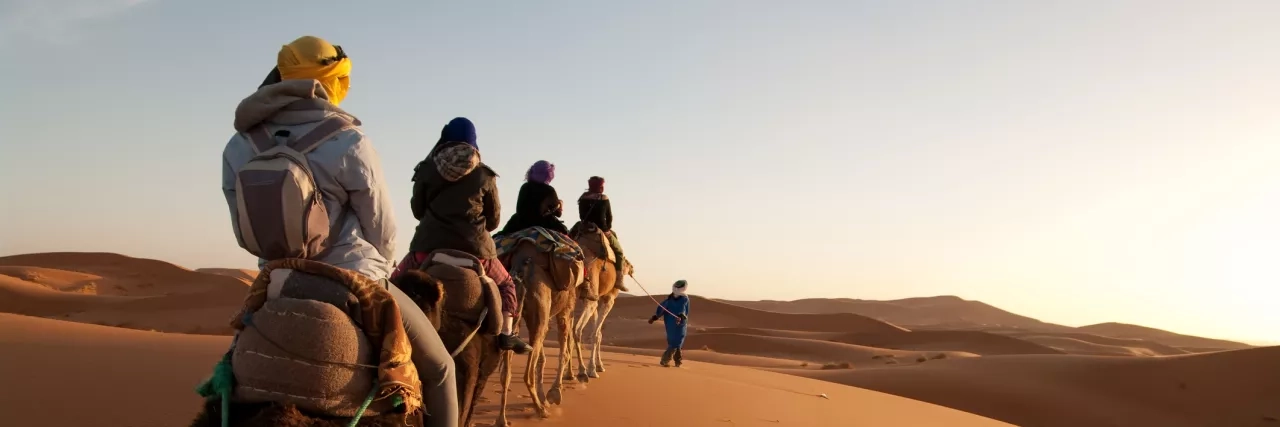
[260, 139]
[325, 130]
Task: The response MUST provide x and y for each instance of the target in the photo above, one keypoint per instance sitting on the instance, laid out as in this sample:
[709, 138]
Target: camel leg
[536, 313]
[506, 388]
[577, 337]
[564, 324]
[466, 376]
[606, 306]
[581, 328]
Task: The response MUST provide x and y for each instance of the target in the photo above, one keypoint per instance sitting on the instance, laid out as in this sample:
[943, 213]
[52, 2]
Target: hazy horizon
[1075, 163]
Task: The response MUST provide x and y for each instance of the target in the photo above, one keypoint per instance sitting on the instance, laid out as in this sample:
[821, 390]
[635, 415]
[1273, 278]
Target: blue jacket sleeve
[658, 311]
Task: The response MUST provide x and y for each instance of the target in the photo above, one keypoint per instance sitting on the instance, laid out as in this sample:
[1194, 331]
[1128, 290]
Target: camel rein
[655, 300]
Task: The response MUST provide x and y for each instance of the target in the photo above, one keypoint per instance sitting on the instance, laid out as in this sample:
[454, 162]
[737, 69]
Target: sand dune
[715, 313]
[244, 275]
[954, 313]
[1023, 376]
[1236, 388]
[1123, 330]
[975, 342]
[116, 290]
[807, 350]
[122, 275]
[925, 311]
[823, 336]
[141, 379]
[1090, 344]
[23, 297]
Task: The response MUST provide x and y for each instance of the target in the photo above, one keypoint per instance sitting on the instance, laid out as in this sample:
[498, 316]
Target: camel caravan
[333, 332]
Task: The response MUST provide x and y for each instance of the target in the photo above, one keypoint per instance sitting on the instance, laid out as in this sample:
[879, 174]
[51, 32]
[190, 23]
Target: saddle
[563, 255]
[305, 347]
[594, 240]
[467, 287]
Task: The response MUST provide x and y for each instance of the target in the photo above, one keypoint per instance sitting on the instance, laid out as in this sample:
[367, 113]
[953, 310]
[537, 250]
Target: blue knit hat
[459, 130]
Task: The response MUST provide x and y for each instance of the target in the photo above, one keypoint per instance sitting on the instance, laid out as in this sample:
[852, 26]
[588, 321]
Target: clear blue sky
[1078, 162]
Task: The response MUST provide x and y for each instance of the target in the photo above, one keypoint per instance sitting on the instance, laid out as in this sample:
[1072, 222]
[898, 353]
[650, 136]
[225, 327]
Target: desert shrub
[804, 364]
[922, 359]
[891, 362]
[939, 356]
[841, 365]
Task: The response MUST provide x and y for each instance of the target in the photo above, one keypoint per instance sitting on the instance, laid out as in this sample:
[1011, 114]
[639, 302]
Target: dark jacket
[455, 199]
[536, 207]
[594, 208]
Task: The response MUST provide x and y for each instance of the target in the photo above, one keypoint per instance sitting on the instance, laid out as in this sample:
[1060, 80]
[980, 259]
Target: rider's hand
[653, 319]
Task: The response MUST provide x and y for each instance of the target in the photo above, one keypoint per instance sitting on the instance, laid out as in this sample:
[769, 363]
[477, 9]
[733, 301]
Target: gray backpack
[279, 207]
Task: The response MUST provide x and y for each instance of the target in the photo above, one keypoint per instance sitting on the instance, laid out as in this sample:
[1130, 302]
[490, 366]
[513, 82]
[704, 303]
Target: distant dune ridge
[944, 350]
[951, 312]
[116, 290]
[1123, 330]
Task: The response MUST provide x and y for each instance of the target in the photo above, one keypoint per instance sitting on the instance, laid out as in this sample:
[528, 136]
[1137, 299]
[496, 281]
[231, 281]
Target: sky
[1077, 162]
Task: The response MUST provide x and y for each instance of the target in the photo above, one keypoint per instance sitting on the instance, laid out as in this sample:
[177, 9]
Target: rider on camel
[538, 205]
[594, 209]
[455, 199]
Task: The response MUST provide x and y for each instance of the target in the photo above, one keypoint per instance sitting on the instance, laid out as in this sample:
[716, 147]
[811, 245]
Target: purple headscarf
[542, 171]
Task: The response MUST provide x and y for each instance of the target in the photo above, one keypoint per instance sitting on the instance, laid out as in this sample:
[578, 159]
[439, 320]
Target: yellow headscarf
[305, 58]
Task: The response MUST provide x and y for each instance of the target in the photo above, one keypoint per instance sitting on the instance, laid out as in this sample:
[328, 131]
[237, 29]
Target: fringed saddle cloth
[322, 338]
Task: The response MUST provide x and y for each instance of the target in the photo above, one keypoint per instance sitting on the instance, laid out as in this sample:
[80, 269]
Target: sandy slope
[938, 310]
[1024, 377]
[244, 275]
[1124, 330]
[116, 290]
[1090, 344]
[1236, 388]
[715, 313]
[122, 275]
[143, 379]
[807, 350]
[975, 342]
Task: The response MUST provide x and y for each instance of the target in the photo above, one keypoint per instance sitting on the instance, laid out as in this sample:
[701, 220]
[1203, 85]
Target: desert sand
[60, 373]
[130, 338]
[1231, 388]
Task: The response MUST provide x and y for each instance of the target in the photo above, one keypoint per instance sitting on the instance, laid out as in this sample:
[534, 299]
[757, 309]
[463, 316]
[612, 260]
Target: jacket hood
[289, 102]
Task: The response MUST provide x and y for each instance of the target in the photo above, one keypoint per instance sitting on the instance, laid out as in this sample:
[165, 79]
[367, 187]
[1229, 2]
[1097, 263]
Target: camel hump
[307, 353]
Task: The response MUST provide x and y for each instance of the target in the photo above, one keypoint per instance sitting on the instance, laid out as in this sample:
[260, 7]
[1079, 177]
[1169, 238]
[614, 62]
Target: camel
[543, 300]
[601, 272]
[453, 307]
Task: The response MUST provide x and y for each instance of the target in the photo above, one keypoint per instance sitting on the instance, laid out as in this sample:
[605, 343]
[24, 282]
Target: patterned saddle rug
[565, 256]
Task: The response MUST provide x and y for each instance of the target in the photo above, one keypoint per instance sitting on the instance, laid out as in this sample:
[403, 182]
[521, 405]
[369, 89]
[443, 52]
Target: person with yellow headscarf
[298, 100]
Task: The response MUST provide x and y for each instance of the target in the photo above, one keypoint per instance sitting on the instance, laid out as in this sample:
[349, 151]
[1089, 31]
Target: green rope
[219, 384]
[226, 409]
[363, 406]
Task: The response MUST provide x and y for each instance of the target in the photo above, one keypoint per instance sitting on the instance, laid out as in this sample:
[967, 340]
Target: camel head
[427, 291]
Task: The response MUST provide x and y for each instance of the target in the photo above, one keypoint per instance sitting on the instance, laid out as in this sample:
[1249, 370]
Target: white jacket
[346, 169]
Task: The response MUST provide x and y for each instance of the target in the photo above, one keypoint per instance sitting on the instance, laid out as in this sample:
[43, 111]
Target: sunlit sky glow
[1077, 162]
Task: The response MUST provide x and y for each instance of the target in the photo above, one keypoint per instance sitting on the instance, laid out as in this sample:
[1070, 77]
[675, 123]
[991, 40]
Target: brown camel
[547, 294]
[601, 272]
[453, 306]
